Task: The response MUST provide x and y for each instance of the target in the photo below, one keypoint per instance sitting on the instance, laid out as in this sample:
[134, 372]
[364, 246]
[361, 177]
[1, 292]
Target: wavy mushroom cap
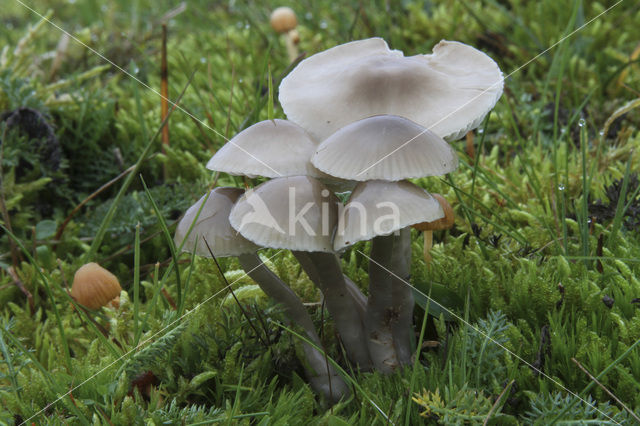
[94, 287]
[213, 225]
[380, 207]
[384, 147]
[270, 148]
[295, 213]
[449, 91]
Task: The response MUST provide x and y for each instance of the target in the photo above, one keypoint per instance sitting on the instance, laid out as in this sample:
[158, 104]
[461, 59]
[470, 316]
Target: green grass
[533, 261]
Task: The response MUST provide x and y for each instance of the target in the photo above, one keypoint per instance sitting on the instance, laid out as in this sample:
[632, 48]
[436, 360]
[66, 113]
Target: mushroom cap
[445, 222]
[295, 213]
[283, 19]
[270, 148]
[94, 287]
[380, 207]
[449, 91]
[213, 225]
[384, 147]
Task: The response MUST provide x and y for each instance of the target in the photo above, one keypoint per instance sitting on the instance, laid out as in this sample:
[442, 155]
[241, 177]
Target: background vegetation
[541, 269]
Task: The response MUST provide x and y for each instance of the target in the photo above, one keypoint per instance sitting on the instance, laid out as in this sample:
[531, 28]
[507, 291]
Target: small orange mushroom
[283, 21]
[428, 227]
[94, 287]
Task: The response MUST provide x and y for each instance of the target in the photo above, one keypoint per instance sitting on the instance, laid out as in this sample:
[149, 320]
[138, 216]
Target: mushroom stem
[292, 38]
[403, 301]
[390, 307]
[428, 244]
[359, 298]
[324, 270]
[380, 313]
[322, 375]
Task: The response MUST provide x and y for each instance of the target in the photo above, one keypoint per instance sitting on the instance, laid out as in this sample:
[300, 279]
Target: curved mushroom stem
[292, 38]
[390, 307]
[403, 301]
[428, 243]
[324, 379]
[324, 270]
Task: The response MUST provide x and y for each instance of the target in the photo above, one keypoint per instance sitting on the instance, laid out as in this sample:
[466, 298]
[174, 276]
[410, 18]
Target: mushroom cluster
[364, 118]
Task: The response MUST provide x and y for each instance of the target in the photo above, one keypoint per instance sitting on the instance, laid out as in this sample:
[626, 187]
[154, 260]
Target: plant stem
[403, 301]
[379, 307]
[390, 307]
[324, 379]
[324, 270]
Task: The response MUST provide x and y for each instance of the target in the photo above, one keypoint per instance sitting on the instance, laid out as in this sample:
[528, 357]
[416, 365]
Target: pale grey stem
[324, 270]
[403, 301]
[380, 314]
[358, 297]
[323, 377]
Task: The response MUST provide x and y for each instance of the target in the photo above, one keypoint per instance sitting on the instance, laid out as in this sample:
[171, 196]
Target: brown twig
[167, 296]
[469, 148]
[597, 382]
[18, 283]
[97, 192]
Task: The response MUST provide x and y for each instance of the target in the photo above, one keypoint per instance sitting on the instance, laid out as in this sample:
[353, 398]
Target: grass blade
[167, 236]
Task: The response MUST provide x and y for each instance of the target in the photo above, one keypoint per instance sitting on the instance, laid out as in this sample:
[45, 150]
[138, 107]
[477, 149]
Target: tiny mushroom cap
[270, 148]
[94, 287]
[384, 147]
[213, 226]
[295, 213]
[445, 222]
[283, 19]
[449, 91]
[365, 216]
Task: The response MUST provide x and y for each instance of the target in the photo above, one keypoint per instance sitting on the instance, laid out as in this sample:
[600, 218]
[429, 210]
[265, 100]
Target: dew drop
[601, 133]
[324, 25]
[561, 187]
[581, 122]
